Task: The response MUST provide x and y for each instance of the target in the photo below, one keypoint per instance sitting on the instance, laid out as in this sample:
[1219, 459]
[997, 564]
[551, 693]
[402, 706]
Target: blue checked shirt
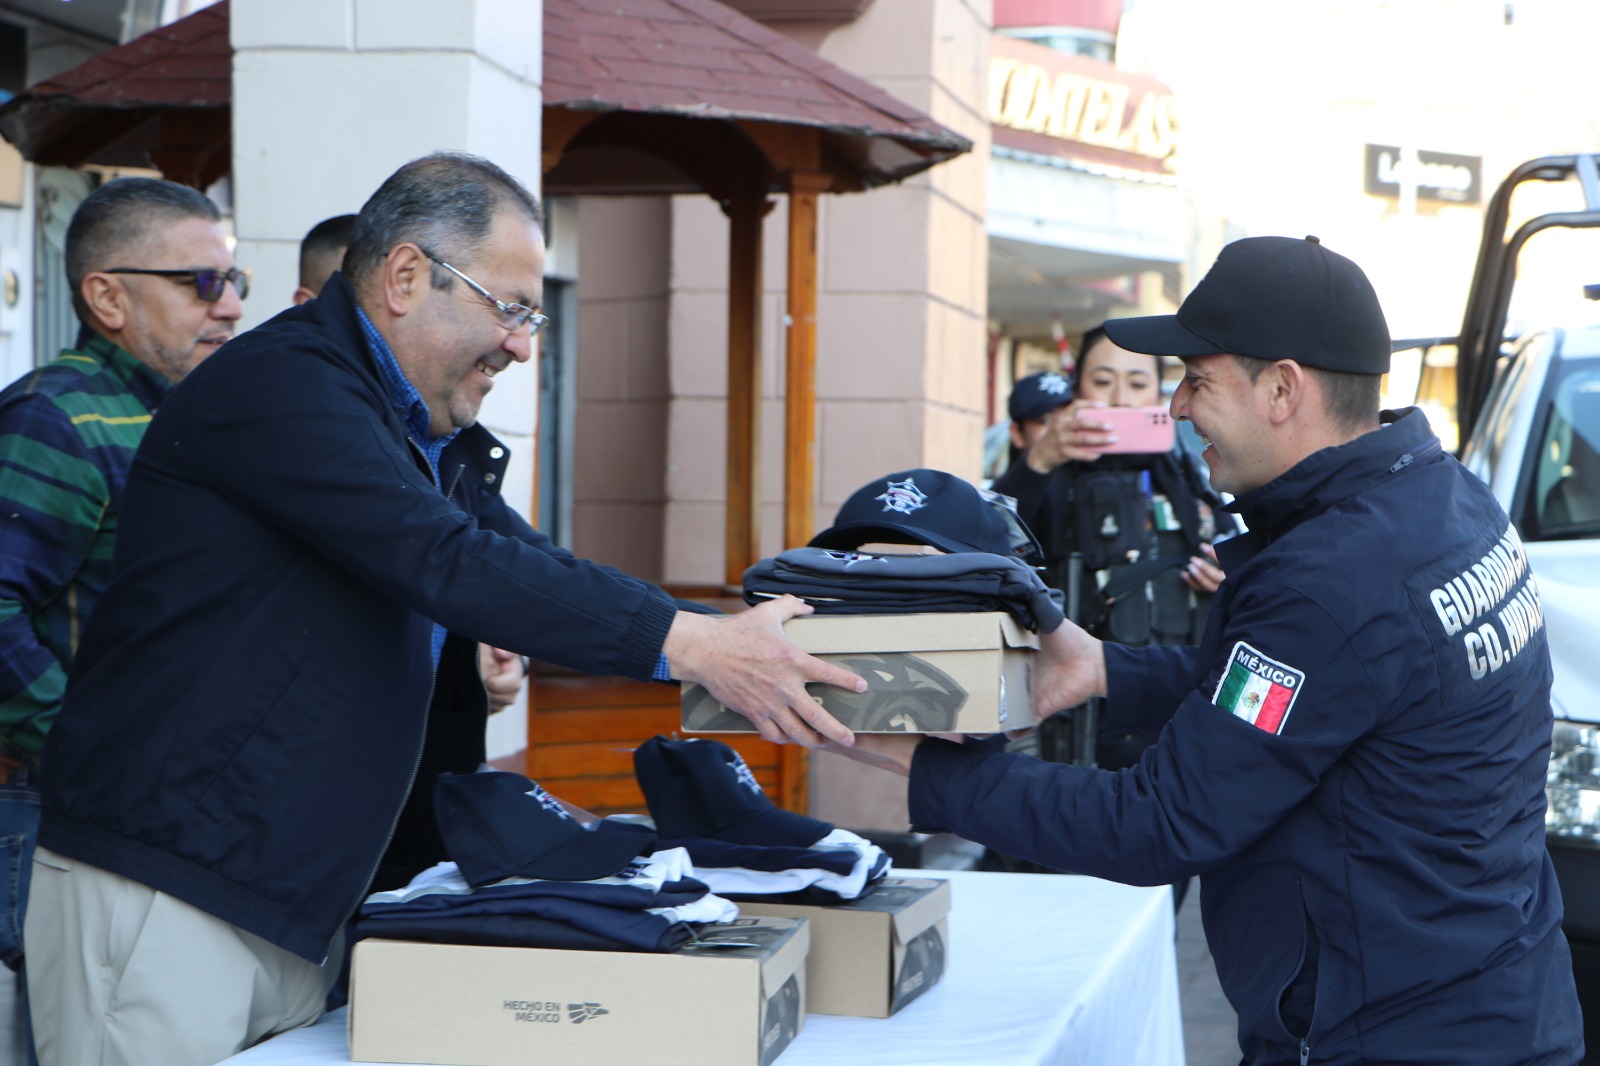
[414, 412]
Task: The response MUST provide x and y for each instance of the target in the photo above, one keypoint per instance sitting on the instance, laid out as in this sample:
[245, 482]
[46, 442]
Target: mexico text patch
[1258, 689]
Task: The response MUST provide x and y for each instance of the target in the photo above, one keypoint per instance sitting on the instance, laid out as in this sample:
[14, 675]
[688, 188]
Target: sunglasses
[209, 284]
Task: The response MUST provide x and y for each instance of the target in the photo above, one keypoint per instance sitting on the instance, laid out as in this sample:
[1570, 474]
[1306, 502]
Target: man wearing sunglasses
[154, 286]
[314, 545]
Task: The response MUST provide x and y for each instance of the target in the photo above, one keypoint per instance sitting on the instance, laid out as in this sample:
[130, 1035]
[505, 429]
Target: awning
[162, 100]
[695, 60]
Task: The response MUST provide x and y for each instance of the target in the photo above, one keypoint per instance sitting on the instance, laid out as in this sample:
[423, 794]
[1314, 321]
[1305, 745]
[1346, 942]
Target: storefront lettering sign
[1078, 107]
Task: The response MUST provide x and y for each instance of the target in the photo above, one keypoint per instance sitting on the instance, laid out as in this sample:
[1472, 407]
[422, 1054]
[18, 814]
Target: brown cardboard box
[444, 1003]
[926, 673]
[872, 956]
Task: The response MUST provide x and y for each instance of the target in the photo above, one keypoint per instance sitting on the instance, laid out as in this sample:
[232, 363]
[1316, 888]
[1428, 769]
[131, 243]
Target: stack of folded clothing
[527, 874]
[851, 582]
[988, 562]
[704, 799]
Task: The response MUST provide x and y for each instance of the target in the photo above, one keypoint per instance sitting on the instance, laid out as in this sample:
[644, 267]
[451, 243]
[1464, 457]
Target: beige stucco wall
[619, 492]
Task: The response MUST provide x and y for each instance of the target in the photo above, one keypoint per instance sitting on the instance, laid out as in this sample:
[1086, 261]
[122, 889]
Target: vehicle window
[1566, 483]
[1510, 382]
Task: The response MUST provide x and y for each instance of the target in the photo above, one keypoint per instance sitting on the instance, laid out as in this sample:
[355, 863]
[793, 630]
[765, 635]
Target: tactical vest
[1133, 522]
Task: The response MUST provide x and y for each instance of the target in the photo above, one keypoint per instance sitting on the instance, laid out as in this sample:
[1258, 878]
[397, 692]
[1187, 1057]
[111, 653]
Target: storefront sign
[1455, 179]
[1071, 98]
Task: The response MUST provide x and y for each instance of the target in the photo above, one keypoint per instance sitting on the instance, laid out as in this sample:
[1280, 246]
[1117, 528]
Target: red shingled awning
[699, 59]
[163, 100]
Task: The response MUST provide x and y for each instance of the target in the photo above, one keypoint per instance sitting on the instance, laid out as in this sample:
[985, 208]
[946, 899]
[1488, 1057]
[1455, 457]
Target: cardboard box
[926, 673]
[735, 997]
[872, 956]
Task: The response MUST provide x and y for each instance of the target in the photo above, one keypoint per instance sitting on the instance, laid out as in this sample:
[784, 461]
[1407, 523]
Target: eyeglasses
[512, 316]
[207, 283]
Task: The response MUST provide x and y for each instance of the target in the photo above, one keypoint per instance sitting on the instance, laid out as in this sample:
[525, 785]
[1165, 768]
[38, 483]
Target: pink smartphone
[1140, 430]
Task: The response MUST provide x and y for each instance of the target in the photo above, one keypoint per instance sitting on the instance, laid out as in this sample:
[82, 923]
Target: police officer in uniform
[1353, 757]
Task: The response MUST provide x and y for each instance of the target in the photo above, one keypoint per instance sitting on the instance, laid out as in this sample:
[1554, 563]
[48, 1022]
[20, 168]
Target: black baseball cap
[1272, 298]
[498, 824]
[930, 507]
[703, 788]
[1037, 395]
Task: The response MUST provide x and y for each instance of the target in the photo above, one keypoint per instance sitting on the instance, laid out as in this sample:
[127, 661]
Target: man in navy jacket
[1354, 756]
[311, 545]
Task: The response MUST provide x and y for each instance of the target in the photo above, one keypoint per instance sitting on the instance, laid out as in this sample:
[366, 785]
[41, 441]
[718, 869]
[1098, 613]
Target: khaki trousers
[122, 975]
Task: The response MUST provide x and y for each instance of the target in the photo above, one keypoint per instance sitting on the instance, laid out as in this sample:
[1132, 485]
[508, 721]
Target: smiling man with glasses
[68, 431]
[241, 758]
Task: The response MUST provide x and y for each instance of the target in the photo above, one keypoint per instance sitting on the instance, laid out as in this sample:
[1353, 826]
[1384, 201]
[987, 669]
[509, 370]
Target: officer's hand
[1071, 667]
[1203, 574]
[886, 751]
[503, 674]
[746, 662]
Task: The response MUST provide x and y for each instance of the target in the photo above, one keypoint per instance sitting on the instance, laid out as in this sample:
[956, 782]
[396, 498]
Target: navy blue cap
[1037, 395]
[929, 507]
[703, 788]
[1272, 298]
[498, 824]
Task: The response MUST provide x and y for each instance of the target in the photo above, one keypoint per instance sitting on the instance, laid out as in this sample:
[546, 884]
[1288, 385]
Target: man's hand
[746, 662]
[1070, 668]
[503, 674]
[1203, 574]
[1071, 433]
[886, 751]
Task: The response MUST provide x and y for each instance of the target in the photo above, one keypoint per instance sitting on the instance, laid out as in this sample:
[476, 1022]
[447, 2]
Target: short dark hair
[329, 237]
[1353, 400]
[445, 202]
[117, 217]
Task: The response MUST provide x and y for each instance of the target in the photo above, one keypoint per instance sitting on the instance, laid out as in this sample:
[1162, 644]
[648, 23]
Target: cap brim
[775, 828]
[847, 536]
[589, 855]
[1159, 335]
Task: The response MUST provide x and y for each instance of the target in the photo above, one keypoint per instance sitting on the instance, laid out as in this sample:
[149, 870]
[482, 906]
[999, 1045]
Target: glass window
[1566, 482]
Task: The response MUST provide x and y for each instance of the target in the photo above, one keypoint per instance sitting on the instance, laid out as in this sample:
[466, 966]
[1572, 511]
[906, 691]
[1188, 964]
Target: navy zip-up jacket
[1353, 762]
[246, 713]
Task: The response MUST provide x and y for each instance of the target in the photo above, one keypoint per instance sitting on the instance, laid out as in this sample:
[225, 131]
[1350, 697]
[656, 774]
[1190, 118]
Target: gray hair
[119, 216]
[445, 202]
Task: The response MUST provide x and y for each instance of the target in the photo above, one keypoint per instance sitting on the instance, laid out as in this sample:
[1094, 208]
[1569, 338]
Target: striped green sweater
[68, 432]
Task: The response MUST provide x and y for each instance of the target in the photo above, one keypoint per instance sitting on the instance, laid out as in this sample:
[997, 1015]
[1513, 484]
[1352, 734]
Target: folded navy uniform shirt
[848, 582]
[648, 906]
[704, 798]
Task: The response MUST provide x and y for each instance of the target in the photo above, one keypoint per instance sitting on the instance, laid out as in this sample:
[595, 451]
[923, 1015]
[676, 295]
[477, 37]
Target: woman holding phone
[1127, 516]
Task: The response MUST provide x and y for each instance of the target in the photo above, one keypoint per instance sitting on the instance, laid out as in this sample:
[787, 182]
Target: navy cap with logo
[1036, 395]
[1272, 298]
[930, 507]
[498, 824]
[703, 788]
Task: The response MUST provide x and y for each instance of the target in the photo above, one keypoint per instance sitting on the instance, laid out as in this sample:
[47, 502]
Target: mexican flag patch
[1258, 689]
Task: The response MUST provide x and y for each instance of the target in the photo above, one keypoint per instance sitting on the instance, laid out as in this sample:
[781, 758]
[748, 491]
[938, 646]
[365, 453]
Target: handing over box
[926, 673]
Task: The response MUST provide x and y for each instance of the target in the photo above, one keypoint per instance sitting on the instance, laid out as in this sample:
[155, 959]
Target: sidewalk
[1209, 1025]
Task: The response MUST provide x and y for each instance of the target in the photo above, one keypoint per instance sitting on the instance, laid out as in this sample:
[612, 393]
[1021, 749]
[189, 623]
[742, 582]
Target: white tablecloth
[1042, 969]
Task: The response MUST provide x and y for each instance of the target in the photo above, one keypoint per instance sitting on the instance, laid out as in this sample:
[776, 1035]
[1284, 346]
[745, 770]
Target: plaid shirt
[68, 431]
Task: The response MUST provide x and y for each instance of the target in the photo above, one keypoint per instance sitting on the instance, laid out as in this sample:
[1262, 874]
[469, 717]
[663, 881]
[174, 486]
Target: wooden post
[800, 373]
[746, 207]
